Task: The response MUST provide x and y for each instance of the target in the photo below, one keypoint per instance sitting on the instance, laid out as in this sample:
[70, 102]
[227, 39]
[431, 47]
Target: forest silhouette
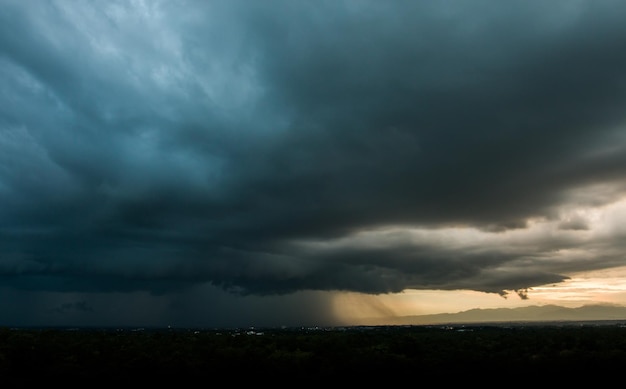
[362, 354]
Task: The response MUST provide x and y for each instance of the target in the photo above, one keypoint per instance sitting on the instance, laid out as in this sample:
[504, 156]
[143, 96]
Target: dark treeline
[523, 353]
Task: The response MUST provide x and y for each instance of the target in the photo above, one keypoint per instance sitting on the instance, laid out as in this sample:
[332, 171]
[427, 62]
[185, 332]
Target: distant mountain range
[545, 313]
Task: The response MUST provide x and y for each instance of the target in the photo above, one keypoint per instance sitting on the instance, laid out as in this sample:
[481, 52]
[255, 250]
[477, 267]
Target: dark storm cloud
[251, 145]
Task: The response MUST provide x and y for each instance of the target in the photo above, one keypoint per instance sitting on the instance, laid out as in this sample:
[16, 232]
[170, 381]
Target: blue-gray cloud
[163, 145]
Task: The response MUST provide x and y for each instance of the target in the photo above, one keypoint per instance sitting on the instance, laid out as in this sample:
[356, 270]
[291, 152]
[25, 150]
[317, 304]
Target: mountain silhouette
[544, 313]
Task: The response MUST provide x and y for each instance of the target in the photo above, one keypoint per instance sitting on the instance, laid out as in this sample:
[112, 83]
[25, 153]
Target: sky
[286, 162]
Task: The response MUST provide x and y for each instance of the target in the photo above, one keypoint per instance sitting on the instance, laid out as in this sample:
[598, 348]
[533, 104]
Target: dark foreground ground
[488, 355]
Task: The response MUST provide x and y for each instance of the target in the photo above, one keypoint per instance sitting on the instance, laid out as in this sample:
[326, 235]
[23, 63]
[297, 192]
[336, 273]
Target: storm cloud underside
[274, 147]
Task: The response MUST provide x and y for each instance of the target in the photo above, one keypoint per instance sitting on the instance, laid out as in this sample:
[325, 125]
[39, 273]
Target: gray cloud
[163, 146]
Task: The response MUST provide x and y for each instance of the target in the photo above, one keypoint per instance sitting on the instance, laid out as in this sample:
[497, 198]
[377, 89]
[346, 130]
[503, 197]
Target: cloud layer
[268, 148]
